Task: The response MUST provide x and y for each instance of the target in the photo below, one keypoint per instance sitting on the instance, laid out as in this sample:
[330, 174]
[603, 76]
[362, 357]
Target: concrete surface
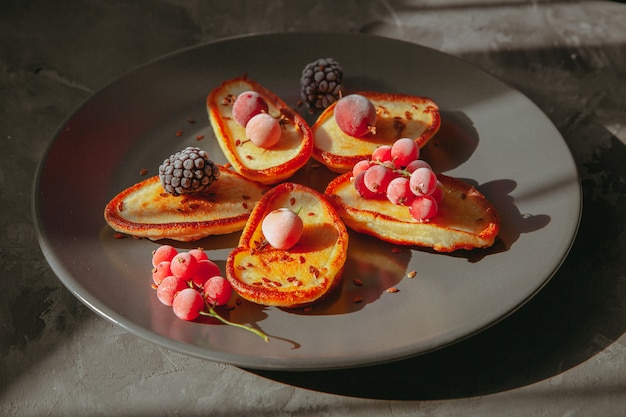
[563, 354]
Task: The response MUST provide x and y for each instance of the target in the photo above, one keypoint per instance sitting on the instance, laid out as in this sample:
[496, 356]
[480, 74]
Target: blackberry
[188, 171]
[321, 83]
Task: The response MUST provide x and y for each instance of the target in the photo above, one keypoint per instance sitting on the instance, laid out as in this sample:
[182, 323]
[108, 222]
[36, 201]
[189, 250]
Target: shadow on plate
[372, 267]
[453, 144]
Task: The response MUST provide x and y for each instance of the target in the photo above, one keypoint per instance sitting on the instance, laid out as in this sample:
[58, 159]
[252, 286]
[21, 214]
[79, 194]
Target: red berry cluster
[187, 280]
[192, 285]
[396, 173]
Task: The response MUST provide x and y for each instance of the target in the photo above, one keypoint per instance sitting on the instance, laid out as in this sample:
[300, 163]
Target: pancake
[267, 166]
[147, 210]
[465, 220]
[301, 275]
[398, 116]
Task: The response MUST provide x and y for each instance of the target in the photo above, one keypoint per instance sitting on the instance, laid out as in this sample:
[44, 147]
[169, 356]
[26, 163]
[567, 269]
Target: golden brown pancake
[465, 220]
[298, 276]
[268, 166]
[398, 116]
[147, 210]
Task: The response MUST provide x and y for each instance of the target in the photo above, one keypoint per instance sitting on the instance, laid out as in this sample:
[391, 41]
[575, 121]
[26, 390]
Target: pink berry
[263, 130]
[282, 228]
[359, 185]
[205, 270]
[418, 163]
[169, 287]
[160, 271]
[360, 167]
[399, 191]
[355, 115]
[423, 208]
[377, 177]
[404, 151]
[382, 154]
[199, 254]
[163, 253]
[438, 193]
[217, 290]
[247, 105]
[423, 181]
[184, 266]
[188, 304]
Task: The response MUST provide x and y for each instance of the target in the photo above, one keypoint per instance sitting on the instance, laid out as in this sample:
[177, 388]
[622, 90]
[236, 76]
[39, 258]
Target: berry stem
[392, 167]
[212, 313]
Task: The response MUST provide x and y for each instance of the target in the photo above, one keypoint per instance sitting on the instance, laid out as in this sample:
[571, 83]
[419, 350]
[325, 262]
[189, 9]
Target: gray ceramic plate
[491, 135]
